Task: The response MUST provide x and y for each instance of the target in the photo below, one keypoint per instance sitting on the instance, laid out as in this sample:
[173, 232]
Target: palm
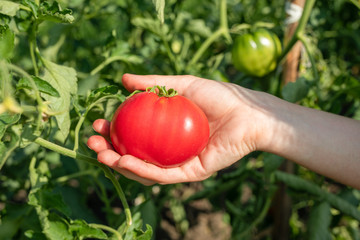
[230, 138]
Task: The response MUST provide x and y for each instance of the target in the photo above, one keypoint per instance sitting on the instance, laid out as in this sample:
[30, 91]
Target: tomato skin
[165, 131]
[256, 53]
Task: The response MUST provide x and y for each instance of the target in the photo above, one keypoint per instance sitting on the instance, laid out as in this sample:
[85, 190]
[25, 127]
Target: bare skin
[242, 121]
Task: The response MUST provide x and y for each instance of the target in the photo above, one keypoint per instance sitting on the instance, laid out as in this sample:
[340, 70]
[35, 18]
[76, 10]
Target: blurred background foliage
[111, 37]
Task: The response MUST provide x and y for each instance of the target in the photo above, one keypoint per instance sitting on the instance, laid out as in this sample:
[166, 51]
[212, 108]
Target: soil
[204, 223]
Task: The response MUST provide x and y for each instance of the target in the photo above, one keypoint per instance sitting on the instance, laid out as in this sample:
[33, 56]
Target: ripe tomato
[256, 53]
[165, 130]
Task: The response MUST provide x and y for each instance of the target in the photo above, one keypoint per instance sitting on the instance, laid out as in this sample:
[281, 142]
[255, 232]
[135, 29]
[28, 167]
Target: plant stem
[105, 63]
[261, 216]
[106, 228]
[170, 54]
[222, 31]
[82, 119]
[74, 175]
[76, 155]
[77, 131]
[121, 194]
[32, 82]
[205, 45]
[24, 8]
[312, 60]
[300, 28]
[224, 21]
[32, 45]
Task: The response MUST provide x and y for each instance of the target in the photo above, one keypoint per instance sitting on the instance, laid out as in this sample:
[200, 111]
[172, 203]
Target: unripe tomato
[256, 53]
[165, 130]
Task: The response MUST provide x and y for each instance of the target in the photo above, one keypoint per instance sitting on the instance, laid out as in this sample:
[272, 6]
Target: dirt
[203, 222]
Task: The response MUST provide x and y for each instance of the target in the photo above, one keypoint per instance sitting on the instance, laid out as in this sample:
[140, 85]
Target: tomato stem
[223, 30]
[108, 173]
[162, 92]
[300, 28]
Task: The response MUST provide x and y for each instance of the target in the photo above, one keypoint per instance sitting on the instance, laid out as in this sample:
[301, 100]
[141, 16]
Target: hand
[234, 122]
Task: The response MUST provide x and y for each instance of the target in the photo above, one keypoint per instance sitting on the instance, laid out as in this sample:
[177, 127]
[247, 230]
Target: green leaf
[54, 226]
[64, 80]
[111, 106]
[300, 184]
[81, 229]
[144, 235]
[6, 42]
[15, 214]
[319, 222]
[100, 93]
[7, 147]
[54, 13]
[33, 7]
[295, 91]
[272, 162]
[135, 230]
[41, 85]
[47, 203]
[356, 3]
[151, 25]
[159, 6]
[198, 26]
[6, 120]
[9, 8]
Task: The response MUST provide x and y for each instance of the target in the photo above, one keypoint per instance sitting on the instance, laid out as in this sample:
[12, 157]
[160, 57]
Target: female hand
[235, 128]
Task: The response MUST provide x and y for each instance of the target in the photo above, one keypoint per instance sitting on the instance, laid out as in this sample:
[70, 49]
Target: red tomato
[166, 131]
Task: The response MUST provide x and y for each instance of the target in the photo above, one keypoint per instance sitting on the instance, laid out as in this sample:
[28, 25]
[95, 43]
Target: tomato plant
[165, 129]
[256, 53]
[61, 64]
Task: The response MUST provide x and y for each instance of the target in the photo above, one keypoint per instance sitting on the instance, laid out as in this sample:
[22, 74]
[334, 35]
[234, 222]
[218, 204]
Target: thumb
[134, 82]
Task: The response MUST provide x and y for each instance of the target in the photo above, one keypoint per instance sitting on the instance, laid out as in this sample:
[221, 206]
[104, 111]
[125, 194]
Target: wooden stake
[282, 202]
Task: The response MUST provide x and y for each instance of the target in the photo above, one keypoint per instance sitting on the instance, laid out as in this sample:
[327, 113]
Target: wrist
[274, 130]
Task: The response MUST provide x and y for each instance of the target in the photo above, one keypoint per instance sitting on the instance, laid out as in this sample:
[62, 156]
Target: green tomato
[256, 53]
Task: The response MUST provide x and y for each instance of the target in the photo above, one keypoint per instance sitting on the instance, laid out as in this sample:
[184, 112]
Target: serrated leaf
[295, 91]
[55, 227]
[6, 120]
[64, 80]
[100, 93]
[144, 235]
[9, 8]
[41, 85]
[151, 25]
[33, 6]
[111, 106]
[6, 148]
[319, 222]
[159, 7]
[54, 13]
[84, 231]
[6, 42]
[198, 26]
[28, 133]
[47, 202]
[135, 230]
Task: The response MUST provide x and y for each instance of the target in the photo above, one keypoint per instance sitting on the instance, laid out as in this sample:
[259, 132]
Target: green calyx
[162, 92]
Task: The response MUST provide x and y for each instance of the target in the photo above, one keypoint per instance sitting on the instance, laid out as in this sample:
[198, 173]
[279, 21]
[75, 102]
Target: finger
[98, 143]
[112, 159]
[132, 176]
[141, 82]
[102, 126]
[189, 172]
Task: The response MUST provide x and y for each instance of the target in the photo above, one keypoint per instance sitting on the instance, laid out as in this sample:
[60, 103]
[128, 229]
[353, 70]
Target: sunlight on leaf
[64, 80]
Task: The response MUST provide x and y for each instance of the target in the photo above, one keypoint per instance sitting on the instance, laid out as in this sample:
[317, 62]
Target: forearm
[325, 143]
